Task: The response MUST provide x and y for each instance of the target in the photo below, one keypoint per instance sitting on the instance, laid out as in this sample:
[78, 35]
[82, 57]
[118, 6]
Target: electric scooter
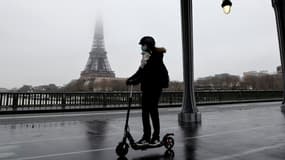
[123, 146]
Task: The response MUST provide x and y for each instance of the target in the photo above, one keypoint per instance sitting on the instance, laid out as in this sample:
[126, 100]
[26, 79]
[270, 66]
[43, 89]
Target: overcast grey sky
[48, 41]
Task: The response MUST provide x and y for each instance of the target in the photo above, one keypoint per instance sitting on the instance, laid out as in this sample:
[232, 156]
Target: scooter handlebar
[131, 91]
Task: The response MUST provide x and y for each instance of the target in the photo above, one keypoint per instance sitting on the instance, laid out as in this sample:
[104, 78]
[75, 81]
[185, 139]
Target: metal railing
[32, 102]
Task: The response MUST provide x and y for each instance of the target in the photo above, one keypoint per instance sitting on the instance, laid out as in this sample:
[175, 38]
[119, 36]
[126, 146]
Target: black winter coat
[154, 74]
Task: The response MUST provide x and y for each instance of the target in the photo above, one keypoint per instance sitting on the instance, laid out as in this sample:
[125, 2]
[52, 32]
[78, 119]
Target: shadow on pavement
[283, 113]
[168, 155]
[190, 143]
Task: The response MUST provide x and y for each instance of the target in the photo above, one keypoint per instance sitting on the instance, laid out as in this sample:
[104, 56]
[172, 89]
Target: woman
[152, 75]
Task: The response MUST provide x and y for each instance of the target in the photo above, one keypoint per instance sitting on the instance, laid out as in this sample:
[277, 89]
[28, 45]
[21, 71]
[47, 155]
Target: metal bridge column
[189, 112]
[279, 8]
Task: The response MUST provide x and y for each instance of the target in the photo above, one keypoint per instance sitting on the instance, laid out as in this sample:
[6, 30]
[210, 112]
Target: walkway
[227, 132]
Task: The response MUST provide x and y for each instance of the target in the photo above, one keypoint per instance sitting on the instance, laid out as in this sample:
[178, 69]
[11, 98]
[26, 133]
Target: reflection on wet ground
[244, 131]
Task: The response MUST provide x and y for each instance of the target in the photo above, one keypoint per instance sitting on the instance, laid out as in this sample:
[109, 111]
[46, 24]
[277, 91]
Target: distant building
[262, 80]
[3, 90]
[222, 81]
[250, 73]
[255, 73]
[26, 88]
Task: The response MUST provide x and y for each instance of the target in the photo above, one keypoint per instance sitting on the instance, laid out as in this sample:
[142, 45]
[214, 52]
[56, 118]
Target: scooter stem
[129, 108]
[131, 91]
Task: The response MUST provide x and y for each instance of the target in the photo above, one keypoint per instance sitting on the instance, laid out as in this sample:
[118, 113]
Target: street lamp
[227, 6]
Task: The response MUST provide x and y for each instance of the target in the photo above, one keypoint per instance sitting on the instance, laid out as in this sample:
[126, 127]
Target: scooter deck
[146, 146]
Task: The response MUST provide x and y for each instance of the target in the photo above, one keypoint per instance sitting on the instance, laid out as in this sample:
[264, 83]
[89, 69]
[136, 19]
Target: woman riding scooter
[152, 75]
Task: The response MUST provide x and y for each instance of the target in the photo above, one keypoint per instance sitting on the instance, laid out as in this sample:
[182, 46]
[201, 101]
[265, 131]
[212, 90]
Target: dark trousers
[150, 99]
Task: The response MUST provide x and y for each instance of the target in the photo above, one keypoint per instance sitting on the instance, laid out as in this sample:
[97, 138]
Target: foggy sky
[48, 41]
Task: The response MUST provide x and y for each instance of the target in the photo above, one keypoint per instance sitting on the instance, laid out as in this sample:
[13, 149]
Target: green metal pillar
[189, 112]
[279, 8]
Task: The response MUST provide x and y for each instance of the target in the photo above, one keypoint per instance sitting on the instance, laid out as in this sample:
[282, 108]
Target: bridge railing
[31, 102]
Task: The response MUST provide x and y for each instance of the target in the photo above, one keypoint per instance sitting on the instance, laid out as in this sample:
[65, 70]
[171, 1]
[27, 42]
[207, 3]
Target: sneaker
[154, 141]
[142, 142]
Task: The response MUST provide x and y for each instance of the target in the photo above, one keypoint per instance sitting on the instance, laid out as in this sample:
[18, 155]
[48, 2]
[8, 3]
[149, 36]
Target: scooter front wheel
[122, 149]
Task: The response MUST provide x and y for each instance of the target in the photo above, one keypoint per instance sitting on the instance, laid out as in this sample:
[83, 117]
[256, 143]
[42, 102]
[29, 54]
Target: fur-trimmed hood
[160, 50]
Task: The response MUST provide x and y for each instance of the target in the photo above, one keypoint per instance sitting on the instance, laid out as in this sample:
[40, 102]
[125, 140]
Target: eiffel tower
[97, 65]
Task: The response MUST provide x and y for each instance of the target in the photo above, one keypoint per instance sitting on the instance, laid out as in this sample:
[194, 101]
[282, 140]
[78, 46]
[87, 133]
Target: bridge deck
[234, 132]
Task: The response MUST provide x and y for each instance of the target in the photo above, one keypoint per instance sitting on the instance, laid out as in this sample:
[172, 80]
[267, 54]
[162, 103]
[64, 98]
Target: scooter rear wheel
[122, 149]
[168, 143]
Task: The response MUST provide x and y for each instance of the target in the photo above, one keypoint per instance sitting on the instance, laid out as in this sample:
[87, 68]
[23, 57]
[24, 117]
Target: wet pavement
[235, 132]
